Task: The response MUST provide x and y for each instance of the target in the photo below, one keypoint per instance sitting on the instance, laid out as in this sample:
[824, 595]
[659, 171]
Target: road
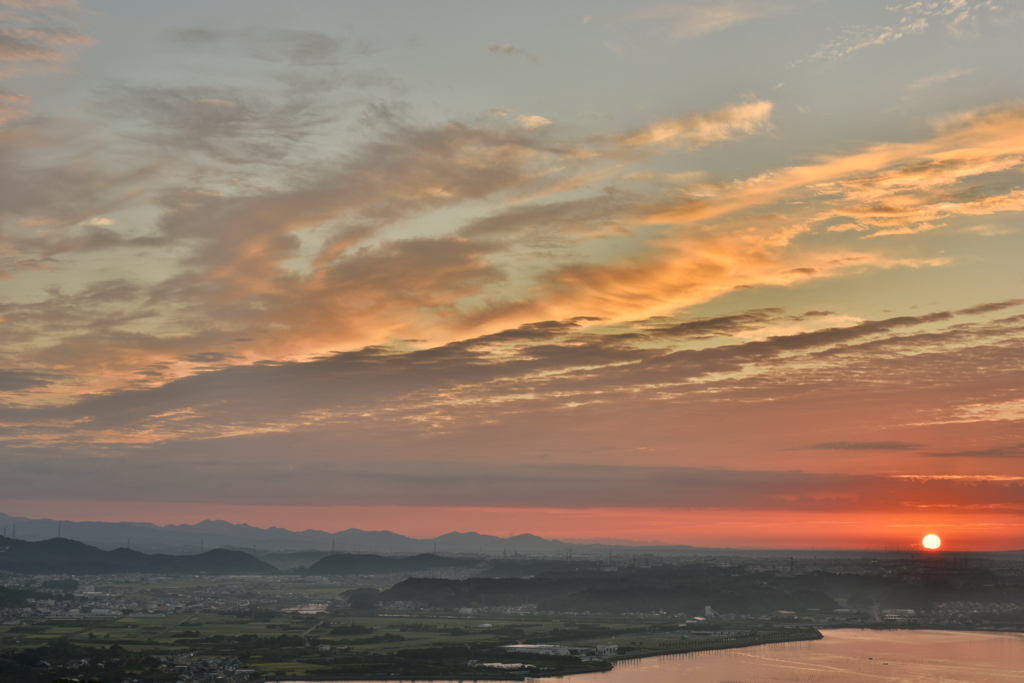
[311, 629]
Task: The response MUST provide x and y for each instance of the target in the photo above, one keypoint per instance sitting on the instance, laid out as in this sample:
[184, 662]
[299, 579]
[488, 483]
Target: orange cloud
[694, 130]
[33, 34]
[981, 142]
[684, 272]
[322, 265]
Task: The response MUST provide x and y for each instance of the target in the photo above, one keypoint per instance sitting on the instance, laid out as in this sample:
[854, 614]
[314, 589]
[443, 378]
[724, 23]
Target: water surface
[843, 656]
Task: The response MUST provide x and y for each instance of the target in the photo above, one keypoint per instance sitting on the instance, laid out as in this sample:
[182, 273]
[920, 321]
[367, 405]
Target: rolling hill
[65, 556]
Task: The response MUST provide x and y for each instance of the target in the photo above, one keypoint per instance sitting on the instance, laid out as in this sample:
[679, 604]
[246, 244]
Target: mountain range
[208, 534]
[286, 549]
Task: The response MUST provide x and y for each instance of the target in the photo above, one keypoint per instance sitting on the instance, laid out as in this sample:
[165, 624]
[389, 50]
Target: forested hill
[65, 556]
[689, 588]
[348, 563]
[673, 591]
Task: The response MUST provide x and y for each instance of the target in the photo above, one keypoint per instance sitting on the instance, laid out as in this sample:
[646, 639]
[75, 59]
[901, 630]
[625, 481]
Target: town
[483, 617]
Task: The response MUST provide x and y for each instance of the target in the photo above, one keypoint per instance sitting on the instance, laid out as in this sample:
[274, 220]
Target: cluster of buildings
[507, 610]
[501, 666]
[94, 605]
[582, 651]
[999, 616]
[141, 596]
[192, 669]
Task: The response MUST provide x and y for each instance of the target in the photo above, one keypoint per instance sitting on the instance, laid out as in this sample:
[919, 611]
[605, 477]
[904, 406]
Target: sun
[931, 541]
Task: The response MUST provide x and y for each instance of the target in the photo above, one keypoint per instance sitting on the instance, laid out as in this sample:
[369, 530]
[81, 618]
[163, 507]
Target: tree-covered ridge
[350, 563]
[65, 556]
[688, 588]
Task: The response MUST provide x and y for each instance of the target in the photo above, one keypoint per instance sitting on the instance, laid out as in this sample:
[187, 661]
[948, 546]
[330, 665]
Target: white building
[558, 650]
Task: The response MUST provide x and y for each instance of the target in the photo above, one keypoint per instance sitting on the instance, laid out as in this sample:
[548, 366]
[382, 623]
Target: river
[843, 656]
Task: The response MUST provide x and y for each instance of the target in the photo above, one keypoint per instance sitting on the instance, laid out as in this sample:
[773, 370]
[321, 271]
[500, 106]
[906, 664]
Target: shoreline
[415, 679]
[914, 627]
[806, 635]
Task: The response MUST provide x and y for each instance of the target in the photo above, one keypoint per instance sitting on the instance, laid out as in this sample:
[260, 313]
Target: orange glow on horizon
[651, 526]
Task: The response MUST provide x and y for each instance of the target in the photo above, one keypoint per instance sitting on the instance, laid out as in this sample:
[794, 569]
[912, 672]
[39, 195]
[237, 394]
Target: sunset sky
[721, 273]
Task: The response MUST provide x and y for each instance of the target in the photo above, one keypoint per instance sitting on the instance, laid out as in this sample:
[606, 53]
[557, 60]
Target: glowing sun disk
[931, 541]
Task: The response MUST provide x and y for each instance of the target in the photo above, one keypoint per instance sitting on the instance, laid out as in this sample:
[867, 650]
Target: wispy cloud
[937, 79]
[891, 189]
[533, 389]
[862, 446]
[298, 48]
[514, 51]
[1011, 411]
[35, 36]
[256, 240]
[958, 16]
[22, 380]
[232, 125]
[1014, 451]
[12, 106]
[538, 367]
[696, 130]
[198, 480]
[858, 38]
[692, 18]
[357, 285]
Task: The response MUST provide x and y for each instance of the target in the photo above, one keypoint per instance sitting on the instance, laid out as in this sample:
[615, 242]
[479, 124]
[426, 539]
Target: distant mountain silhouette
[291, 549]
[190, 538]
[65, 556]
[346, 563]
[287, 549]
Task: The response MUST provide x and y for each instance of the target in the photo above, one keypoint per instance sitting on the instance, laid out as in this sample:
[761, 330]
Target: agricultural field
[296, 628]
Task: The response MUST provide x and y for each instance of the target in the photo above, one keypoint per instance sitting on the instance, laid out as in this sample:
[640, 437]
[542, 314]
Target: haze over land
[718, 274]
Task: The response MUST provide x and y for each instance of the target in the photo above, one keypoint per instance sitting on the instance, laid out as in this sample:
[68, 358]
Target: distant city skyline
[710, 273]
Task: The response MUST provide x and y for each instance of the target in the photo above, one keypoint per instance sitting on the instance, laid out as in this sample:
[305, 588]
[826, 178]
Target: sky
[733, 273]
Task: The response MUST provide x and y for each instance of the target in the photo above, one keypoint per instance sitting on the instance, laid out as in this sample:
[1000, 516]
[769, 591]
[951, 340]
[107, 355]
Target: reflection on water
[844, 656]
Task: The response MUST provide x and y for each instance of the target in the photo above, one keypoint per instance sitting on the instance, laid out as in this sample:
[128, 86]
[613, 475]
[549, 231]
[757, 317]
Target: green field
[340, 642]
